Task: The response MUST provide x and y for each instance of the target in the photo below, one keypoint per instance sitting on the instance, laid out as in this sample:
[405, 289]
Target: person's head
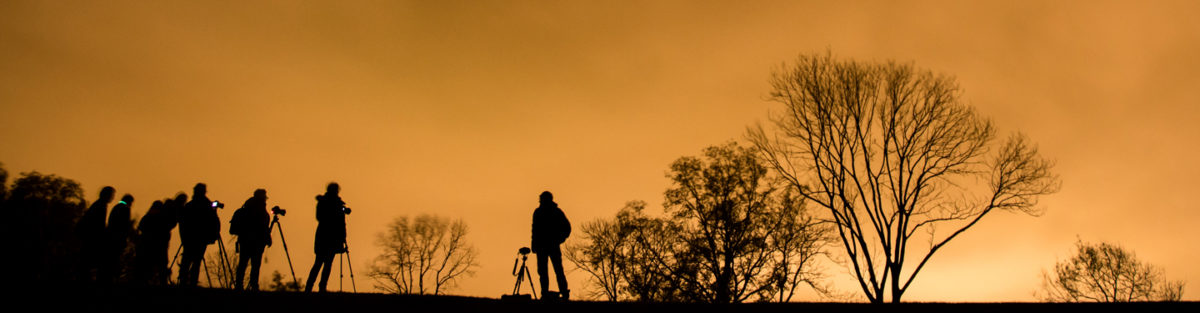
[107, 193]
[546, 197]
[332, 189]
[260, 194]
[127, 199]
[155, 206]
[181, 198]
[199, 190]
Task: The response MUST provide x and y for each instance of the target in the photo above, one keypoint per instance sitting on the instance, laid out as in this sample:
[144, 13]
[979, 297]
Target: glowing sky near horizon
[470, 109]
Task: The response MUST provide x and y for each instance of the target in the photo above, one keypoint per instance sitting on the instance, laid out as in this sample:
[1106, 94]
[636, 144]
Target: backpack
[235, 224]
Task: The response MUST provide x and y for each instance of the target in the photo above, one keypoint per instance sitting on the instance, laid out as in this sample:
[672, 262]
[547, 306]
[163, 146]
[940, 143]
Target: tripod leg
[204, 263]
[225, 269]
[517, 287]
[350, 265]
[173, 259]
[532, 289]
[341, 265]
[285, 251]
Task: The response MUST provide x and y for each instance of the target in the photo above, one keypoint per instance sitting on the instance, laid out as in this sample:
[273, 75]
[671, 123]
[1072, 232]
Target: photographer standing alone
[550, 229]
[331, 235]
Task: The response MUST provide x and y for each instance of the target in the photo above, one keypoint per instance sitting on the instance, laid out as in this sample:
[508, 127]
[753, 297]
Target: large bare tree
[423, 255]
[1106, 272]
[895, 157]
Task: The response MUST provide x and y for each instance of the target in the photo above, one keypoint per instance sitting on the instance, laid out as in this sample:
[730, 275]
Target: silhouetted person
[550, 229]
[116, 240]
[172, 209]
[251, 224]
[154, 239]
[199, 226]
[331, 234]
[90, 230]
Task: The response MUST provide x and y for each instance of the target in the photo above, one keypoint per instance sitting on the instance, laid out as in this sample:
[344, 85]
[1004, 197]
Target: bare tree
[797, 243]
[1106, 272]
[601, 255]
[218, 267]
[895, 157]
[423, 255]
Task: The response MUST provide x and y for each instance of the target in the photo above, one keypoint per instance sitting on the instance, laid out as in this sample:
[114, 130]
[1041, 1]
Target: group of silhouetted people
[104, 244]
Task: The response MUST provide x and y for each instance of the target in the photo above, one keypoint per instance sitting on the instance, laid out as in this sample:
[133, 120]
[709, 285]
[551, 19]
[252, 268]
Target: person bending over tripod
[251, 224]
[550, 229]
[330, 237]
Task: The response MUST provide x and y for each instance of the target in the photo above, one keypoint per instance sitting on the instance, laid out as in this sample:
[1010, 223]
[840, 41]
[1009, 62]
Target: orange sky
[471, 109]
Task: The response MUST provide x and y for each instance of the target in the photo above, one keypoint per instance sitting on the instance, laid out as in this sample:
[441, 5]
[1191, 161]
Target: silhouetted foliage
[615, 254]
[422, 255]
[732, 233]
[40, 213]
[1105, 272]
[3, 185]
[893, 155]
[600, 256]
[279, 283]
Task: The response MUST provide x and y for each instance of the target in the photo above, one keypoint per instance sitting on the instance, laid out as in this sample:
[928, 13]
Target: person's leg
[556, 259]
[189, 267]
[243, 260]
[255, 264]
[543, 271]
[158, 261]
[105, 273]
[328, 267]
[197, 262]
[183, 266]
[312, 274]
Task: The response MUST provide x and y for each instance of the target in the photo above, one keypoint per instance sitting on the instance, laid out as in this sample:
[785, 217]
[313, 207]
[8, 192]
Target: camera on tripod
[521, 271]
[277, 211]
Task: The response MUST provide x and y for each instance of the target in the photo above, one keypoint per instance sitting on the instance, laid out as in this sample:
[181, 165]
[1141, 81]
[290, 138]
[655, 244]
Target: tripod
[340, 263]
[275, 221]
[523, 273]
[225, 265]
[176, 257]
